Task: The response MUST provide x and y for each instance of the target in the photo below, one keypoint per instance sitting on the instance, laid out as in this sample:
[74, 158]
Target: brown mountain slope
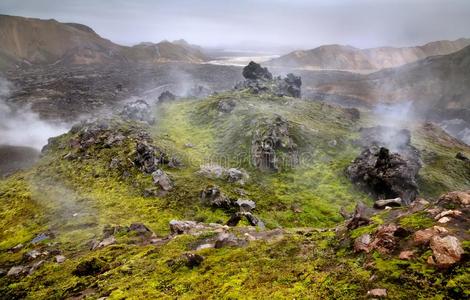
[36, 41]
[435, 85]
[340, 57]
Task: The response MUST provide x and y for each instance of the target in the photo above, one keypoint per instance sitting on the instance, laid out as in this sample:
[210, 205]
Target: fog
[23, 127]
[269, 25]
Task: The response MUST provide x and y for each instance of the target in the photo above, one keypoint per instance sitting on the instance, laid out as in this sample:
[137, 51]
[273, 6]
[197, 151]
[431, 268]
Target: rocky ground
[243, 194]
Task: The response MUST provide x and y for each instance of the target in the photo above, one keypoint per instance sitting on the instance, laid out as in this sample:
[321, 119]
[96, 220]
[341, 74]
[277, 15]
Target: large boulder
[138, 110]
[385, 175]
[254, 71]
[260, 80]
[446, 251]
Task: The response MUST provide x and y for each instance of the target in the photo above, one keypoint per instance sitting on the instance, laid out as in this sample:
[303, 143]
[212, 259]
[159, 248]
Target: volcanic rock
[166, 96]
[256, 72]
[138, 110]
[214, 197]
[384, 174]
[360, 217]
[269, 138]
[161, 179]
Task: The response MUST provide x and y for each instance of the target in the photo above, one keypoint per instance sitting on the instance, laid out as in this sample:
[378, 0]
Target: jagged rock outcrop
[385, 175]
[259, 80]
[271, 139]
[166, 96]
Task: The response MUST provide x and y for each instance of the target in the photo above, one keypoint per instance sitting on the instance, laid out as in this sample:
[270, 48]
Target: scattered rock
[462, 156]
[381, 293]
[226, 106]
[166, 96]
[17, 248]
[160, 178]
[60, 259]
[380, 204]
[192, 227]
[93, 266]
[35, 266]
[138, 110]
[446, 250]
[236, 175]
[422, 237]
[104, 243]
[193, 260]
[406, 255]
[246, 205]
[362, 243]
[229, 240]
[147, 157]
[213, 196]
[215, 171]
[17, 271]
[458, 199]
[360, 217]
[41, 237]
[385, 240]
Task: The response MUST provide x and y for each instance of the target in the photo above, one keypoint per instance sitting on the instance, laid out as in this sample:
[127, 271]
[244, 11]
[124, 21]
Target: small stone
[448, 213]
[362, 243]
[16, 271]
[423, 236]
[444, 220]
[377, 293]
[387, 202]
[160, 178]
[246, 204]
[106, 242]
[60, 259]
[407, 254]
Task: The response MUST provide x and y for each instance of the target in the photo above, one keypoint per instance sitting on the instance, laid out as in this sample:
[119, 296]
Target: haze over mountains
[35, 41]
[340, 57]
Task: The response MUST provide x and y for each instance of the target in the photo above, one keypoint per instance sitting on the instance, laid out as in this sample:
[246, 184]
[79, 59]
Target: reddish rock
[446, 250]
[362, 243]
[385, 240]
[422, 237]
[407, 254]
[456, 199]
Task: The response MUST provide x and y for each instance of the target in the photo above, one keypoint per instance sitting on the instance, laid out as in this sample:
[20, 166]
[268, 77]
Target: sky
[260, 24]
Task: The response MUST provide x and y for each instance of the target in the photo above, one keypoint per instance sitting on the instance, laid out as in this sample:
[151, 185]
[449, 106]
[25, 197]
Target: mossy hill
[72, 195]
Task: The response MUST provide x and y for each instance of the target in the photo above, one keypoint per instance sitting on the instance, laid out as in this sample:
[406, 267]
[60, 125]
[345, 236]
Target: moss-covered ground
[75, 199]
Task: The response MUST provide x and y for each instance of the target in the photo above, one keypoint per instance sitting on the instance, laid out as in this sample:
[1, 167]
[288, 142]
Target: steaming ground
[22, 134]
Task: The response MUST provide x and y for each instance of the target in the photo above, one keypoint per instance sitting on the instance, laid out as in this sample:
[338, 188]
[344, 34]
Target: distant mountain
[36, 41]
[437, 85]
[341, 57]
[165, 51]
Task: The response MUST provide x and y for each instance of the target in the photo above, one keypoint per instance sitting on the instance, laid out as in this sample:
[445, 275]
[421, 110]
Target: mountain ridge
[346, 57]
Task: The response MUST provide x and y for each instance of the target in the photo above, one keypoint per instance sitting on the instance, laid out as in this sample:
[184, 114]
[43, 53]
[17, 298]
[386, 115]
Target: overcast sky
[260, 23]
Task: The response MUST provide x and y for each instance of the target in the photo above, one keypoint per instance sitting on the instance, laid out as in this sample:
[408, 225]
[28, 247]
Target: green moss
[418, 220]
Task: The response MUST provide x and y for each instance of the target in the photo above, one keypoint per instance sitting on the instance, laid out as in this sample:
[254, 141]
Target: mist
[22, 126]
[265, 25]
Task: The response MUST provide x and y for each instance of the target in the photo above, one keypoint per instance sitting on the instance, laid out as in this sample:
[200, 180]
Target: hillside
[437, 85]
[338, 57]
[36, 41]
[234, 196]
